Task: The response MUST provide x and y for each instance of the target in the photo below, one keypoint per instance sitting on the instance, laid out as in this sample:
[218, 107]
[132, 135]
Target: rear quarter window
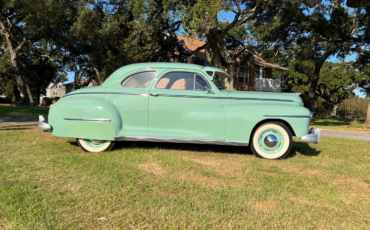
[139, 80]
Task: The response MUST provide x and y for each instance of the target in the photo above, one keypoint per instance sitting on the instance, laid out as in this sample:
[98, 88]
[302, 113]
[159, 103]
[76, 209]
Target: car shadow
[184, 147]
[297, 148]
[329, 122]
[14, 127]
[74, 143]
[303, 149]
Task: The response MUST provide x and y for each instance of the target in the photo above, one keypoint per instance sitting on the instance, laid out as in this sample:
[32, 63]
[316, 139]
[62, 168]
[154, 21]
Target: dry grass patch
[5, 225]
[265, 207]
[206, 162]
[153, 168]
[353, 185]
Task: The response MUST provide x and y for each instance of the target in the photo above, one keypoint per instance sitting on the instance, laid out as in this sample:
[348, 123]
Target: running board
[179, 140]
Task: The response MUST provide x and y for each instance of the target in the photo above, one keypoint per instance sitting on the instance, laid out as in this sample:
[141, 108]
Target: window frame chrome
[194, 78]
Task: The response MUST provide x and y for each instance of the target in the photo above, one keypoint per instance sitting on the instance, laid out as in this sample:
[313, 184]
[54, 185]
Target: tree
[26, 22]
[315, 34]
[337, 82]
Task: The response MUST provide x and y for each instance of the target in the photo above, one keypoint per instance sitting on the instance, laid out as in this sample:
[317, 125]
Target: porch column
[261, 76]
[279, 75]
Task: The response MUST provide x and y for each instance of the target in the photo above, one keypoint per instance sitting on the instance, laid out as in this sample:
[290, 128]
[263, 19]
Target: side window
[210, 73]
[139, 80]
[201, 83]
[177, 80]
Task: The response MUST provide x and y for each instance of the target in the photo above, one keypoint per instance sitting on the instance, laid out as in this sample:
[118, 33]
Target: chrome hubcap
[271, 141]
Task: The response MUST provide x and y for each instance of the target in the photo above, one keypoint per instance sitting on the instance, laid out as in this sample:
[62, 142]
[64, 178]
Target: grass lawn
[22, 112]
[50, 183]
[340, 125]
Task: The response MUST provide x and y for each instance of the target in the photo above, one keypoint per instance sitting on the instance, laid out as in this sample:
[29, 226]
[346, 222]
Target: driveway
[18, 121]
[346, 135]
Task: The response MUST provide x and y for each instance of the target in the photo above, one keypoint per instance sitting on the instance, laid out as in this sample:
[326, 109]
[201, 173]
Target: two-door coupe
[180, 103]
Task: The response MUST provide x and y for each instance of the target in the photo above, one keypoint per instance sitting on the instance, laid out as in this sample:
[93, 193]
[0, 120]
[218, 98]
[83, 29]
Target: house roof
[53, 85]
[192, 44]
[259, 61]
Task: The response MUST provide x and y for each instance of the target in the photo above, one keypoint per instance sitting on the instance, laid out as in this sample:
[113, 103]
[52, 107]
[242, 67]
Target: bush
[46, 101]
[5, 100]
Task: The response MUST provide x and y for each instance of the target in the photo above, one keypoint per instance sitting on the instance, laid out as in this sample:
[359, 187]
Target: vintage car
[179, 103]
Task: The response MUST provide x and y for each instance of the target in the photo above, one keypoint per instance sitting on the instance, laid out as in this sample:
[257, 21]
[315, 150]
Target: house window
[257, 74]
[241, 75]
[55, 92]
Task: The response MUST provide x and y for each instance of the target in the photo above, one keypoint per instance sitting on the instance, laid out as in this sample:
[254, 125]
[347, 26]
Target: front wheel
[272, 140]
[95, 146]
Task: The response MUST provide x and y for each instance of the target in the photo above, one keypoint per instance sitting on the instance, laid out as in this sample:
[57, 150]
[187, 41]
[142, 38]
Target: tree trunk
[315, 78]
[13, 59]
[16, 91]
[217, 55]
[29, 93]
[368, 114]
[20, 79]
[334, 111]
[312, 91]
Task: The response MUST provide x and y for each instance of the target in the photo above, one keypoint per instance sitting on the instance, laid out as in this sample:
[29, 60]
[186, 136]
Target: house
[56, 89]
[252, 72]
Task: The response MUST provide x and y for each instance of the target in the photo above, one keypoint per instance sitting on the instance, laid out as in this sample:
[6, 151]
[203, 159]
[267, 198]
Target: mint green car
[180, 103]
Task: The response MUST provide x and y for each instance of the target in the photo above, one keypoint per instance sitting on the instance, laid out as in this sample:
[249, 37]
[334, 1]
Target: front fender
[242, 118]
[87, 118]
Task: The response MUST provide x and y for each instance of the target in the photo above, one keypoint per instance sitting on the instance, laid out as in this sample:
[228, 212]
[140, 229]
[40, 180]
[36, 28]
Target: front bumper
[313, 136]
[43, 126]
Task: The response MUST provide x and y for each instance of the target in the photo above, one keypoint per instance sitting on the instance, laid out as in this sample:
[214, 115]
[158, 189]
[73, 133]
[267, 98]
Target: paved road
[18, 121]
[346, 135]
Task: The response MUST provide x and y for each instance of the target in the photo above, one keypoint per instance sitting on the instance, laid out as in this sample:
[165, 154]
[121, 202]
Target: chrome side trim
[187, 96]
[121, 93]
[180, 140]
[87, 119]
[292, 116]
[258, 99]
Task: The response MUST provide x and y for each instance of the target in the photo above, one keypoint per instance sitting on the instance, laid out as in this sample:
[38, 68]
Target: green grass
[48, 182]
[22, 112]
[340, 125]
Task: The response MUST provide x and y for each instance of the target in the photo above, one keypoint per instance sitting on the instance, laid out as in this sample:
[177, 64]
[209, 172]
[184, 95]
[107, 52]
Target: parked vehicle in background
[180, 103]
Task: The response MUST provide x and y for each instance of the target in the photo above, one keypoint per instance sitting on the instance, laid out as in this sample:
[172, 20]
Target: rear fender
[87, 118]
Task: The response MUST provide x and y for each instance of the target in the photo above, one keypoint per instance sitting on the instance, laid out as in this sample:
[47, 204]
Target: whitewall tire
[95, 146]
[271, 140]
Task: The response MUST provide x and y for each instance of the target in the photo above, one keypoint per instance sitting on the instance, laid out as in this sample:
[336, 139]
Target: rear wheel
[95, 146]
[272, 140]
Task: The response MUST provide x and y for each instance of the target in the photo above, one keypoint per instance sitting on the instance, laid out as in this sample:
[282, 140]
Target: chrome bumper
[43, 126]
[313, 136]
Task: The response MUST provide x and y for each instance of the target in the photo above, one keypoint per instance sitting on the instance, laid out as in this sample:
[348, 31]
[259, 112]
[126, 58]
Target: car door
[132, 102]
[182, 105]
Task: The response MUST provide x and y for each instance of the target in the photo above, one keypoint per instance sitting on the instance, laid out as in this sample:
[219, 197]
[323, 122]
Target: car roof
[111, 81]
[169, 65]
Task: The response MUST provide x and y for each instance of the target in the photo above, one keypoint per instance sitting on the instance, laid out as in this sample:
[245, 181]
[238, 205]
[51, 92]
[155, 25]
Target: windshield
[218, 79]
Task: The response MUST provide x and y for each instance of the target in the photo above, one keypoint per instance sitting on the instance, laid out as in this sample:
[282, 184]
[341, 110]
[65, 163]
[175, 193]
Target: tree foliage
[315, 34]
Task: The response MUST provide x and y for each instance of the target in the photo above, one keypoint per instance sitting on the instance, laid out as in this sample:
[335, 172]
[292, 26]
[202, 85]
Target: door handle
[154, 94]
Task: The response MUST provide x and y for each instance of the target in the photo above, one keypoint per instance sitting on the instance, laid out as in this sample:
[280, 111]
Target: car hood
[288, 97]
